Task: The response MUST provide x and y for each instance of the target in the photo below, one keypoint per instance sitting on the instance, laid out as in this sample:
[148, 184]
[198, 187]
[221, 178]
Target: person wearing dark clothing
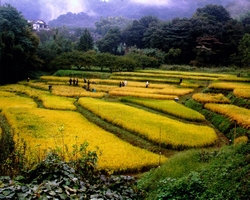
[88, 85]
[70, 81]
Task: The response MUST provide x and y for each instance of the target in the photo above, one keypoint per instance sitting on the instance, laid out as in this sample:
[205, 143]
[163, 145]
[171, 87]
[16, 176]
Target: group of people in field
[73, 81]
[123, 83]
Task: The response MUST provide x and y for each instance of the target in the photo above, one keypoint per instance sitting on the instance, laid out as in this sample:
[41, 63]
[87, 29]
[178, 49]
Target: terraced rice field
[50, 118]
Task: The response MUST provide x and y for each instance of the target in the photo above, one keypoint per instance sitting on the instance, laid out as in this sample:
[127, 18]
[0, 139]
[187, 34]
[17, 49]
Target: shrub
[225, 175]
[55, 178]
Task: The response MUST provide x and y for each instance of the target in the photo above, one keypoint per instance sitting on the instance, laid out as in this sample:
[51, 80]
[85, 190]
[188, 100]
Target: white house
[38, 25]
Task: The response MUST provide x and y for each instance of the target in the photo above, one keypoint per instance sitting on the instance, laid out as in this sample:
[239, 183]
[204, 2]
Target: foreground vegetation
[204, 174]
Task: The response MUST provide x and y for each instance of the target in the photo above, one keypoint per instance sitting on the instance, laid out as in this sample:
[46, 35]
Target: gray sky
[51, 9]
[153, 2]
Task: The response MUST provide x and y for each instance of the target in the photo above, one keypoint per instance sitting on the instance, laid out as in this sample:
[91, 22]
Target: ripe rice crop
[169, 107]
[6, 94]
[16, 102]
[228, 85]
[210, 98]
[234, 113]
[175, 91]
[171, 90]
[243, 93]
[141, 95]
[49, 101]
[57, 102]
[241, 139]
[190, 85]
[71, 91]
[130, 83]
[60, 80]
[38, 85]
[31, 92]
[234, 78]
[105, 81]
[40, 129]
[153, 127]
[215, 75]
[137, 90]
[155, 80]
[55, 78]
[104, 88]
[164, 76]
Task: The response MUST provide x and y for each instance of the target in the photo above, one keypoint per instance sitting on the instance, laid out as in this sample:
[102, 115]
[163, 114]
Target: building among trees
[38, 25]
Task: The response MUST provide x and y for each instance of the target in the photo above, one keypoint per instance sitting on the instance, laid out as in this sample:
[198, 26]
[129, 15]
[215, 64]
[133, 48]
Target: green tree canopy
[18, 46]
[214, 13]
[75, 58]
[133, 34]
[110, 42]
[86, 41]
[52, 44]
[244, 50]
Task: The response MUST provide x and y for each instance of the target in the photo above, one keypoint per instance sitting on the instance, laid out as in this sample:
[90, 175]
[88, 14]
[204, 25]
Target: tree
[75, 58]
[104, 60]
[206, 49]
[103, 26]
[133, 34]
[17, 45]
[86, 41]
[244, 50]
[110, 42]
[214, 13]
[143, 61]
[232, 34]
[125, 63]
[54, 43]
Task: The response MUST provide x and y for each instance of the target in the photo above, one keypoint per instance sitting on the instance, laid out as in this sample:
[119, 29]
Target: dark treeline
[211, 37]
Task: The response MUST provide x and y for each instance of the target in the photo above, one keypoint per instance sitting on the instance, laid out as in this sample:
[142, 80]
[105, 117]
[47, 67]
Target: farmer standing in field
[88, 85]
[147, 84]
[70, 80]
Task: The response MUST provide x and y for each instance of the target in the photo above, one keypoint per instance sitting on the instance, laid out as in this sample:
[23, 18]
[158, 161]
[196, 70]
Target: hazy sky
[153, 2]
[56, 7]
[51, 9]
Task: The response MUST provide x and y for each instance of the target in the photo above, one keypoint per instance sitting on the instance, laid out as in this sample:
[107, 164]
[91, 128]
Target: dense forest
[211, 37]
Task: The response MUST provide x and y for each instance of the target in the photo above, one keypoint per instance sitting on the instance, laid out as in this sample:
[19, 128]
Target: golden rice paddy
[242, 93]
[156, 128]
[169, 107]
[210, 98]
[228, 85]
[40, 128]
[235, 113]
[40, 125]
